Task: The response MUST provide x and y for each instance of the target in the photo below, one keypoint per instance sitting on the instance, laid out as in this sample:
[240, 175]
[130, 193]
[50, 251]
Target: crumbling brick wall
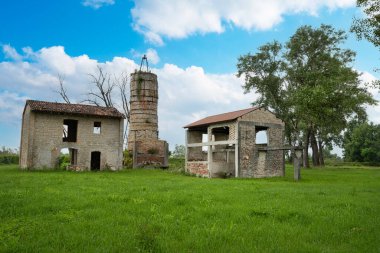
[42, 140]
[143, 127]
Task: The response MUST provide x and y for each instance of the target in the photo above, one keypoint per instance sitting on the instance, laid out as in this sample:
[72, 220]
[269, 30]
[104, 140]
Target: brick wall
[44, 134]
[197, 168]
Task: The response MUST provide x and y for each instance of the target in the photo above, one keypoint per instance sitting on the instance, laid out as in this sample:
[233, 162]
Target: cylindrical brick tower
[143, 108]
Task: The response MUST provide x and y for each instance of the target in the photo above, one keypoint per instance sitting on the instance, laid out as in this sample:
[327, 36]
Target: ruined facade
[143, 141]
[227, 145]
[92, 134]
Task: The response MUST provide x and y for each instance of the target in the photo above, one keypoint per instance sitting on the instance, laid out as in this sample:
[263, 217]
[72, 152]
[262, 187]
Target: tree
[103, 92]
[362, 143]
[368, 27]
[179, 151]
[62, 91]
[309, 83]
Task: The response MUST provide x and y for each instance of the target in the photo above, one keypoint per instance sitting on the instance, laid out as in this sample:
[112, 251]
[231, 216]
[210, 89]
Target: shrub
[63, 161]
[127, 159]
[9, 159]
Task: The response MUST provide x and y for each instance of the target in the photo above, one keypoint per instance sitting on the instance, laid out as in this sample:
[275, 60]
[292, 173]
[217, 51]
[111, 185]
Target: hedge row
[9, 159]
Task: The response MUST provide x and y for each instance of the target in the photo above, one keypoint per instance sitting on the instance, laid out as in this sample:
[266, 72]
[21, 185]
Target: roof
[228, 116]
[77, 109]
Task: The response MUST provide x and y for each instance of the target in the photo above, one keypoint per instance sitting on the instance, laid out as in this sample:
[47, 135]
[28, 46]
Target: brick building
[227, 145]
[92, 134]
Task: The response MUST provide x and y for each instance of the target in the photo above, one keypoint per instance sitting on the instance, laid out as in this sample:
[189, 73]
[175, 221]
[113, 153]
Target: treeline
[310, 84]
[9, 156]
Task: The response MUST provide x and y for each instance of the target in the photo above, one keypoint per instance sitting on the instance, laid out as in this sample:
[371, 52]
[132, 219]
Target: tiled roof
[78, 109]
[220, 118]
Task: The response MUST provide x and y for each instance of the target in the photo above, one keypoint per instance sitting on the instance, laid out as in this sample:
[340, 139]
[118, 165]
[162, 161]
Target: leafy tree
[179, 151]
[368, 27]
[362, 143]
[309, 83]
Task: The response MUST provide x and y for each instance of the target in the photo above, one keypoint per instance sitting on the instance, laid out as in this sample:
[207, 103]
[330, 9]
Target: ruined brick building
[93, 135]
[226, 145]
[143, 137]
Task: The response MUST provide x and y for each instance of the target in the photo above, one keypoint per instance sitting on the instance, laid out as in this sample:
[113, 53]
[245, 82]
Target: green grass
[336, 209]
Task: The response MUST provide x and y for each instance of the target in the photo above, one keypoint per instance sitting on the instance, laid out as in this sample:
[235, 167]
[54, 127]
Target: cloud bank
[185, 94]
[96, 4]
[180, 19]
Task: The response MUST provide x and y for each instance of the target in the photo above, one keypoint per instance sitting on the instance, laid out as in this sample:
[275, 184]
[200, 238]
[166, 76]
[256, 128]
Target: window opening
[97, 127]
[262, 135]
[70, 128]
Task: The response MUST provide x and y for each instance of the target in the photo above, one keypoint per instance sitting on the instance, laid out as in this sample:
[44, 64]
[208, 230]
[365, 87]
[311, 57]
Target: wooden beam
[210, 143]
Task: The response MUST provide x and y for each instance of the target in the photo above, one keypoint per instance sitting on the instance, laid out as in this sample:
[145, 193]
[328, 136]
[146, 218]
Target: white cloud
[11, 105]
[185, 94]
[11, 53]
[180, 19]
[96, 4]
[151, 54]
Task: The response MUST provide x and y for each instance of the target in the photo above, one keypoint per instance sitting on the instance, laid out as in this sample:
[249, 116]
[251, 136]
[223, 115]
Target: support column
[237, 150]
[297, 163]
[209, 152]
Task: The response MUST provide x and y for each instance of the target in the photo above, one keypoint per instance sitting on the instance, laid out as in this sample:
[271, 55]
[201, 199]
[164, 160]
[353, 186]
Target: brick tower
[143, 140]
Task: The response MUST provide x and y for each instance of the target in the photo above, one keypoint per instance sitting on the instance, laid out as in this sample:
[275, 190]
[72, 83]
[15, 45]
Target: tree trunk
[306, 163]
[321, 158]
[314, 147]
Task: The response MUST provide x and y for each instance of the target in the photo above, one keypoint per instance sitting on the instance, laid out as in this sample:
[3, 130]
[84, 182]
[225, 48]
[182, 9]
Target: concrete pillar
[297, 159]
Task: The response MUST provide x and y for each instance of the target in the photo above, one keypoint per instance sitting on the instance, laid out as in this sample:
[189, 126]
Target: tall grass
[330, 210]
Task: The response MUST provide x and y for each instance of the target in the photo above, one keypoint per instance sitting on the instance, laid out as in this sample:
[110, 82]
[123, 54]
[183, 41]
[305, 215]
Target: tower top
[144, 58]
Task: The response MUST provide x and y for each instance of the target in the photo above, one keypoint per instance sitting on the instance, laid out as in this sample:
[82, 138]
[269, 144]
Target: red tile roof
[220, 117]
[77, 109]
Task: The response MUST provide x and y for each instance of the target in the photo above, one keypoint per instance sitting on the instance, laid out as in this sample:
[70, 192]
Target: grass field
[336, 209]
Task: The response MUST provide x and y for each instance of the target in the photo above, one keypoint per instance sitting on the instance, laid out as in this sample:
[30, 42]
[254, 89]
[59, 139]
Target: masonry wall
[26, 137]
[45, 142]
[143, 127]
[257, 160]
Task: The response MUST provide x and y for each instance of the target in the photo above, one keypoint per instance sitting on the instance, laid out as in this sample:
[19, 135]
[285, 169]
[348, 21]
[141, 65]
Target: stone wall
[197, 168]
[257, 160]
[43, 135]
[261, 116]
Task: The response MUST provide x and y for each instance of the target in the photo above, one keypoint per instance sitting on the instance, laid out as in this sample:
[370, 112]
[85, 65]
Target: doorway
[95, 160]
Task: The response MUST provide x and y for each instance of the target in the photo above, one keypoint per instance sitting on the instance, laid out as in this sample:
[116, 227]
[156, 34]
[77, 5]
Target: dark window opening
[95, 160]
[221, 133]
[73, 156]
[97, 127]
[70, 128]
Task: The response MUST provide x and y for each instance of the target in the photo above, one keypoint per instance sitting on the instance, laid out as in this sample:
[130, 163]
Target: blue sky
[192, 46]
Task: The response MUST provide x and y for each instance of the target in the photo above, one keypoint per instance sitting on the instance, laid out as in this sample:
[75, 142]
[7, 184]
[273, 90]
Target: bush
[9, 159]
[127, 159]
[63, 161]
[177, 165]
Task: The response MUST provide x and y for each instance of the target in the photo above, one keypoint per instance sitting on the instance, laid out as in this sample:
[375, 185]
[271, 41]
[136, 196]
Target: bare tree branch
[62, 91]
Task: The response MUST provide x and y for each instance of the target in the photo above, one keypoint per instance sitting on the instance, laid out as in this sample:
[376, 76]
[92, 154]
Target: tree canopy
[368, 27]
[362, 143]
[309, 83]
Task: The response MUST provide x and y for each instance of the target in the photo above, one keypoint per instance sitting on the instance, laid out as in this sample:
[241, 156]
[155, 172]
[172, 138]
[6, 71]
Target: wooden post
[209, 152]
[166, 155]
[237, 149]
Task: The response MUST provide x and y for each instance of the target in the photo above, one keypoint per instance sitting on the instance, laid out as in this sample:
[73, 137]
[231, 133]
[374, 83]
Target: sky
[192, 46]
